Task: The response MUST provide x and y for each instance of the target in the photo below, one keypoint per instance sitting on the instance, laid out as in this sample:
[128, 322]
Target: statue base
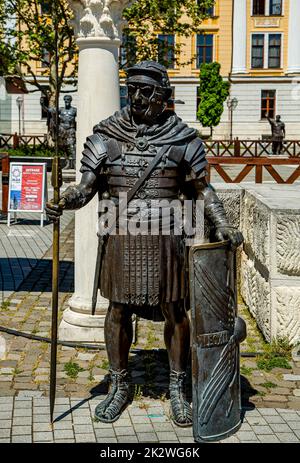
[78, 325]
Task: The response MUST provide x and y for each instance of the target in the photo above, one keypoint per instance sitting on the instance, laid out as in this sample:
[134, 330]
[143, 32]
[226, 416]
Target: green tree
[148, 18]
[31, 38]
[27, 38]
[213, 92]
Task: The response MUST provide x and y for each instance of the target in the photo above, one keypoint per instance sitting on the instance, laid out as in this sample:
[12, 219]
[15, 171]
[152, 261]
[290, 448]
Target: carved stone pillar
[98, 25]
[293, 44]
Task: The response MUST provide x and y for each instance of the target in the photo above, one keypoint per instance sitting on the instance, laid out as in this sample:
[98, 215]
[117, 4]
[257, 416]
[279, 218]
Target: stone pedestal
[270, 267]
[98, 27]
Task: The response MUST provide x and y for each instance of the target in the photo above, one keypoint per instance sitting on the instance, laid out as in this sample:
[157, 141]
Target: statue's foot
[111, 408]
[181, 410]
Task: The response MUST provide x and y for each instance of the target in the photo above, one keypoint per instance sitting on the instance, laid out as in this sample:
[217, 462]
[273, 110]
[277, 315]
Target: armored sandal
[111, 408]
[181, 410]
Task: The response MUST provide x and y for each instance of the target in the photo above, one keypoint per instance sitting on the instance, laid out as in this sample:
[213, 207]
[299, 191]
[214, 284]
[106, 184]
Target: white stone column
[239, 62]
[98, 25]
[293, 38]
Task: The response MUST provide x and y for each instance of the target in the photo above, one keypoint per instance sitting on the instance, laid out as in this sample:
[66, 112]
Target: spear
[56, 181]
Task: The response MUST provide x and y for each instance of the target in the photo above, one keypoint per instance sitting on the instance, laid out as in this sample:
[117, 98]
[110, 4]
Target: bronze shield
[215, 348]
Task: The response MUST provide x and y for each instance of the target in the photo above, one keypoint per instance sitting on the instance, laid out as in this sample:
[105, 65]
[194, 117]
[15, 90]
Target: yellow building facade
[256, 43]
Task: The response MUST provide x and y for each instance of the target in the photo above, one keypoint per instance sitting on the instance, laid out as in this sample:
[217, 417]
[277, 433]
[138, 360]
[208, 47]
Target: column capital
[98, 18]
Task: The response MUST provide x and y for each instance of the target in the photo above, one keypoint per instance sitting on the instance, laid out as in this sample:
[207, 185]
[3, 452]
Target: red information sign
[27, 188]
[32, 188]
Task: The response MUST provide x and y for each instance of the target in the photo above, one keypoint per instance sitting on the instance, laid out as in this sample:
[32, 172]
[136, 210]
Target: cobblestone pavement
[22, 245]
[26, 419]
[270, 393]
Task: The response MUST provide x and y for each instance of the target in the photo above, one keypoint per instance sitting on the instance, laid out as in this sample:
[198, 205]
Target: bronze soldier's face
[144, 104]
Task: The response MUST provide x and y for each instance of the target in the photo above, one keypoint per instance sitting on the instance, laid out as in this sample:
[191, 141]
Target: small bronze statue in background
[278, 133]
[66, 129]
[146, 144]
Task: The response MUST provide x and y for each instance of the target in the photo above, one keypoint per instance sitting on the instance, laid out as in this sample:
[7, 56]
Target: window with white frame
[259, 7]
[266, 51]
[274, 59]
[275, 7]
[267, 7]
[257, 55]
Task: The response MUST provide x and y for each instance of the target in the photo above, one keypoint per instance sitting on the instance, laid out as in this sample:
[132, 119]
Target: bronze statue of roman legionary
[145, 273]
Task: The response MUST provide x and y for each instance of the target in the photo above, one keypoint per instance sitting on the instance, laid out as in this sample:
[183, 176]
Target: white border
[44, 189]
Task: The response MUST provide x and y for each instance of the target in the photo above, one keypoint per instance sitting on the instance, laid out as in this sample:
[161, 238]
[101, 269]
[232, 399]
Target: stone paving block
[6, 407]
[287, 437]
[246, 436]
[245, 426]
[267, 412]
[164, 427]
[181, 432]
[295, 425]
[134, 411]
[253, 412]
[22, 412]
[279, 427]
[230, 440]
[147, 437]
[26, 439]
[255, 420]
[268, 438]
[160, 419]
[63, 424]
[63, 434]
[290, 416]
[123, 422]
[143, 427]
[23, 404]
[83, 428]
[41, 410]
[124, 431]
[100, 425]
[140, 419]
[83, 419]
[274, 419]
[85, 438]
[41, 418]
[297, 432]
[262, 429]
[166, 436]
[5, 424]
[4, 433]
[42, 427]
[42, 402]
[6, 400]
[81, 412]
[5, 415]
[21, 430]
[43, 436]
[102, 433]
[4, 441]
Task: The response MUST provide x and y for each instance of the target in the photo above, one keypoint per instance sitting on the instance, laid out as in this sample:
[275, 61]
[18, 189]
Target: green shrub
[33, 152]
